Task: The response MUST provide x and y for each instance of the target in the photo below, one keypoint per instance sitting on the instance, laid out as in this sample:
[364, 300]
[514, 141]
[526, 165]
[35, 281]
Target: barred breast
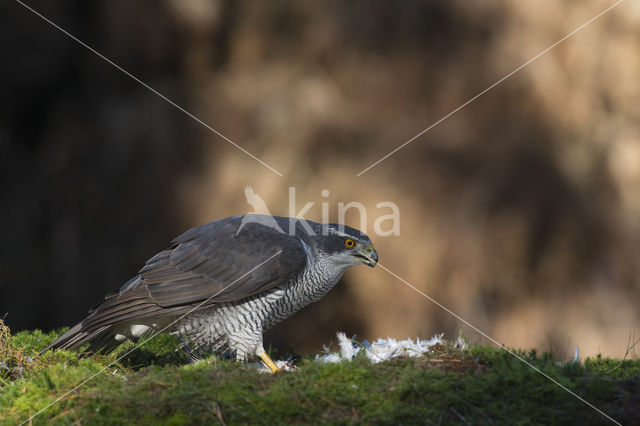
[238, 326]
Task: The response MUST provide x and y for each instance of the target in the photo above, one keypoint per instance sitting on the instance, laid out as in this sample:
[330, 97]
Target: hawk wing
[211, 261]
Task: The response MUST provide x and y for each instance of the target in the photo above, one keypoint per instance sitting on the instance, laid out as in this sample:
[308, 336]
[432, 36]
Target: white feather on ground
[380, 350]
[377, 351]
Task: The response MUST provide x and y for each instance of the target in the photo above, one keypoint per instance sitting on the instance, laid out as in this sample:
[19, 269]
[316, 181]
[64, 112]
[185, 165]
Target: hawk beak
[369, 256]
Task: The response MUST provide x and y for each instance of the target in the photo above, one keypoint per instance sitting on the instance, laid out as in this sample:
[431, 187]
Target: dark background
[520, 212]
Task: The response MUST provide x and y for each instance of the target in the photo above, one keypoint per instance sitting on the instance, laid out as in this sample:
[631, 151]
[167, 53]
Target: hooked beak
[368, 256]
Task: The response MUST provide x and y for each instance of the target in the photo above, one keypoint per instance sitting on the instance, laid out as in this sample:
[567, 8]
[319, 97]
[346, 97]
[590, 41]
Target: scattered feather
[378, 351]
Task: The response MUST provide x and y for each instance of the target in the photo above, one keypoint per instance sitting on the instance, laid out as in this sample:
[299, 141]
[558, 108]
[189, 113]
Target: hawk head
[345, 245]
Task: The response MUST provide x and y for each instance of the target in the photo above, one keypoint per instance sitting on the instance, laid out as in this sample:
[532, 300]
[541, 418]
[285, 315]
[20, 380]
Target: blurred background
[521, 212]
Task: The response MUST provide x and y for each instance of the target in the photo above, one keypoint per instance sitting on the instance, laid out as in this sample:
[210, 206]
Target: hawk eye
[349, 243]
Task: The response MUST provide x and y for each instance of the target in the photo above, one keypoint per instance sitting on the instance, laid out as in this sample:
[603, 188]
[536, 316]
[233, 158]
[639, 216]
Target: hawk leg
[269, 362]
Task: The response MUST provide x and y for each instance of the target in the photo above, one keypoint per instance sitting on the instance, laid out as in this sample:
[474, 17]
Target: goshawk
[220, 285]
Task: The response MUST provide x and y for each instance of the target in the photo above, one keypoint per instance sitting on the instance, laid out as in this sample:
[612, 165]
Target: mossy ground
[155, 384]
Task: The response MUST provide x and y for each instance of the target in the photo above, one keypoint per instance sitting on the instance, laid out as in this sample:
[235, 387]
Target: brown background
[521, 212]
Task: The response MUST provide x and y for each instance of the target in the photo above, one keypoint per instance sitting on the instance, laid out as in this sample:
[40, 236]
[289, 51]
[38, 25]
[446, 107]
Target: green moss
[622, 369]
[154, 384]
[35, 340]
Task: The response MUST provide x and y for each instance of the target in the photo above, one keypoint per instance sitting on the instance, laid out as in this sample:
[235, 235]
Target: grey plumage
[217, 268]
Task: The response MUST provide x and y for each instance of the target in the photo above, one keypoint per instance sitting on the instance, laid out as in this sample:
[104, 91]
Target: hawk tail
[77, 337]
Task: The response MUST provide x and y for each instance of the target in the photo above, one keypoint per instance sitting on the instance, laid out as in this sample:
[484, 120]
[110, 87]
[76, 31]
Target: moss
[622, 369]
[156, 385]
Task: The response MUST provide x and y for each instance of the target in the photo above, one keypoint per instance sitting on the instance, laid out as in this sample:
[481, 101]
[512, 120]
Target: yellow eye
[349, 243]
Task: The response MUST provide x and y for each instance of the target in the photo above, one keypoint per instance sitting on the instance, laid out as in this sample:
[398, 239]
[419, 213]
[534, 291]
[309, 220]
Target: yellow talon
[269, 362]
